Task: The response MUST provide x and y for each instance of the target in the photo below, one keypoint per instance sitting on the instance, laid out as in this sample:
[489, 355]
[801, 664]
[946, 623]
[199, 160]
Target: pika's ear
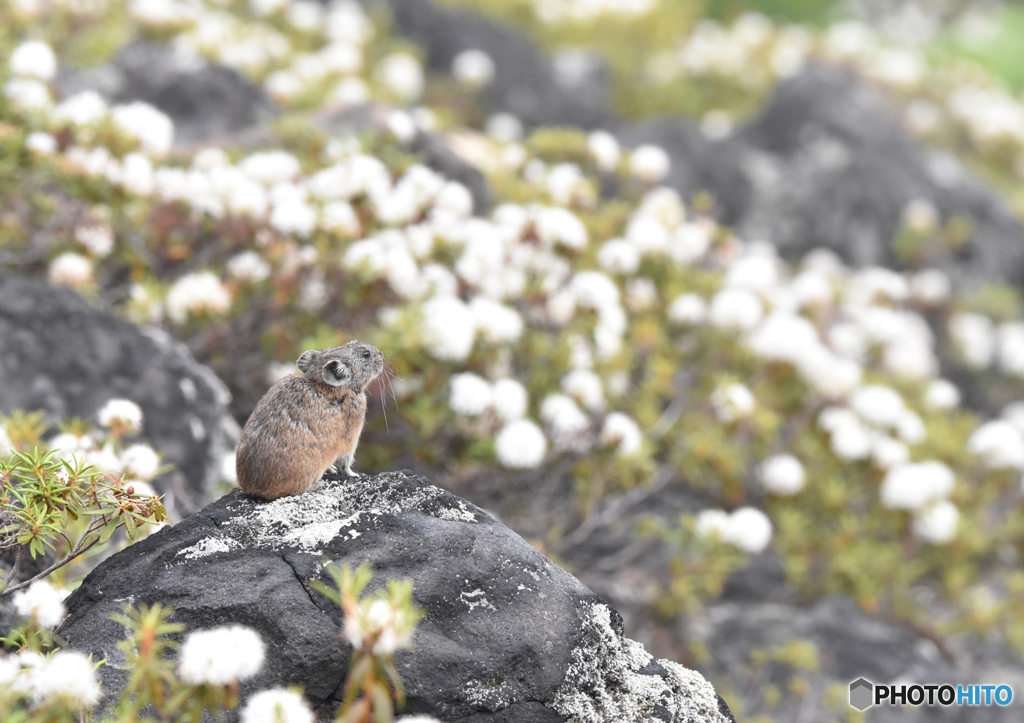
[305, 360]
[336, 373]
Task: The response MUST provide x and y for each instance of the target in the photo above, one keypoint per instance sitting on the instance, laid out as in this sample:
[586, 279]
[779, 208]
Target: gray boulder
[832, 165]
[206, 101]
[67, 358]
[508, 635]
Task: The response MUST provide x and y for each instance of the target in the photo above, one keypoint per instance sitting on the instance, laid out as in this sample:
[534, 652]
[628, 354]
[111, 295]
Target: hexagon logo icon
[861, 694]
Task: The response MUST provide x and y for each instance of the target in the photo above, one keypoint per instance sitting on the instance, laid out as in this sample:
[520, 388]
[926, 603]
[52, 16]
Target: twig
[80, 548]
[614, 509]
[672, 412]
[14, 570]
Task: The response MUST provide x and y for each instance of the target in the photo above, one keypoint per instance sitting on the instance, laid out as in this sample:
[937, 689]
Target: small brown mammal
[305, 425]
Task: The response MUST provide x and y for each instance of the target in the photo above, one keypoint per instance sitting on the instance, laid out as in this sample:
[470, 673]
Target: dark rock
[508, 635]
[442, 159]
[62, 356]
[572, 89]
[206, 101]
[833, 166]
[697, 163]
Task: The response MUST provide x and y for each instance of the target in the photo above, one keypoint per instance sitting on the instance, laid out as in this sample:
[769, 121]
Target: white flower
[910, 427]
[34, 59]
[605, 150]
[510, 399]
[732, 402]
[27, 95]
[40, 143]
[470, 394]
[849, 438]
[248, 266]
[811, 288]
[594, 290]
[585, 387]
[913, 485]
[221, 655]
[520, 445]
[403, 74]
[887, 452]
[140, 461]
[271, 167]
[999, 444]
[401, 125]
[930, 287]
[151, 127]
[504, 127]
[622, 430]
[749, 529]
[305, 14]
[687, 309]
[6, 445]
[277, 705]
[649, 163]
[941, 394]
[123, 412]
[340, 217]
[736, 308]
[689, 243]
[568, 425]
[473, 68]
[620, 256]
[81, 109]
[937, 522]
[647, 234]
[1011, 348]
[194, 293]
[105, 459]
[782, 474]
[71, 269]
[350, 91]
[294, 217]
[42, 602]
[712, 523]
[449, 328]
[68, 676]
[641, 294]
[878, 405]
[755, 273]
[975, 336]
[560, 226]
[98, 238]
[497, 323]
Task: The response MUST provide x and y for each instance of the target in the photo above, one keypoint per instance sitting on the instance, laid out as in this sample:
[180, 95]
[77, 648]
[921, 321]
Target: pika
[305, 425]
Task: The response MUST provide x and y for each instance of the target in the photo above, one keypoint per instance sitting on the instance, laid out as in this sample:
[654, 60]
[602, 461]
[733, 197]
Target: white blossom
[620, 429]
[471, 394]
[68, 676]
[649, 163]
[937, 522]
[71, 269]
[121, 412]
[641, 294]
[510, 399]
[930, 287]
[221, 655]
[34, 59]
[755, 273]
[1011, 348]
[584, 386]
[619, 256]
[504, 127]
[140, 461]
[249, 267]
[27, 95]
[40, 143]
[605, 150]
[733, 401]
[749, 529]
[782, 474]
[271, 167]
[687, 309]
[878, 405]
[712, 523]
[520, 445]
[912, 485]
[975, 336]
[568, 425]
[497, 323]
[151, 127]
[941, 394]
[277, 705]
[887, 452]
[735, 309]
[403, 74]
[473, 68]
[42, 602]
[195, 293]
[560, 226]
[449, 328]
[688, 243]
[999, 444]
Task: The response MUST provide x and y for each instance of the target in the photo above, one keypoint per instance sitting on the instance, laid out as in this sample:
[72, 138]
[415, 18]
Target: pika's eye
[366, 353]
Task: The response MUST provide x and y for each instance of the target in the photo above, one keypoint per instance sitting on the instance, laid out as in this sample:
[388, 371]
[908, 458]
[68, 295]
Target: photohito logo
[864, 694]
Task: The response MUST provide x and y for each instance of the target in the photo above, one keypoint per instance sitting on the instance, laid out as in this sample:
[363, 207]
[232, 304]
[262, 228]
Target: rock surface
[67, 358]
[205, 100]
[832, 165]
[508, 635]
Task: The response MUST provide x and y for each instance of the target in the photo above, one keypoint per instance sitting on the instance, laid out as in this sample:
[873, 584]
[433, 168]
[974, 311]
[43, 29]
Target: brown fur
[305, 424]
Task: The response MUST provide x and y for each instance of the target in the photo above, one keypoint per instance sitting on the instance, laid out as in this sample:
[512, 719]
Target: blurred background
[716, 303]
